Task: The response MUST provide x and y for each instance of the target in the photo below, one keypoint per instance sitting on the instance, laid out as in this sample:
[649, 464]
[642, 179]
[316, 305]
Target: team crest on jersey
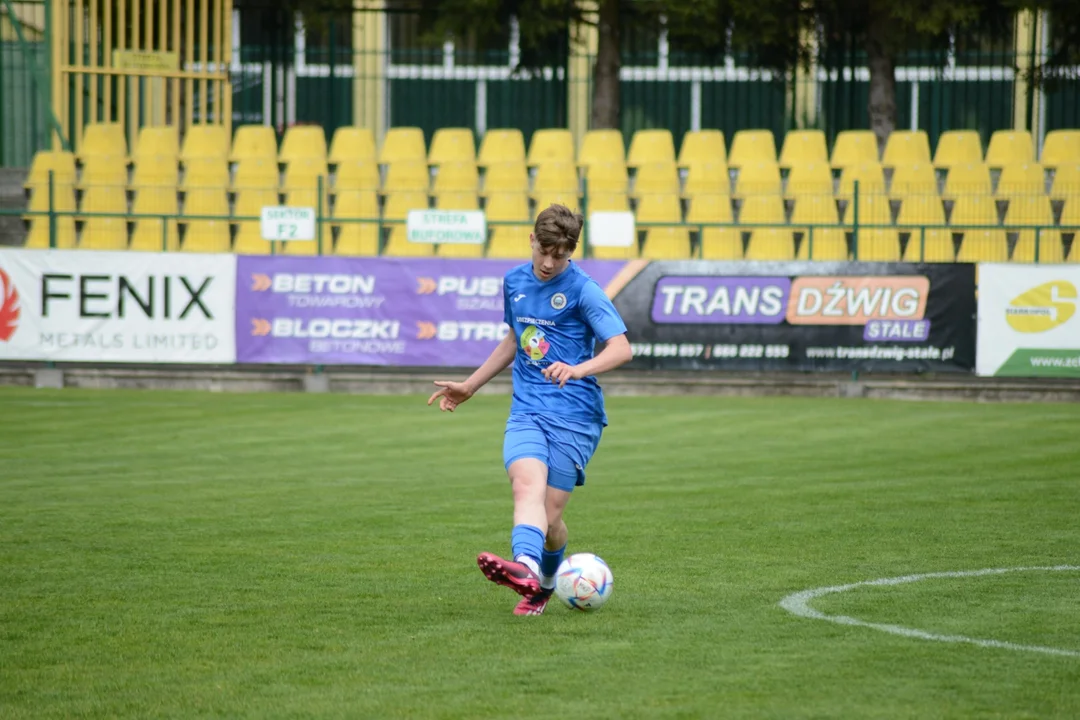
[558, 301]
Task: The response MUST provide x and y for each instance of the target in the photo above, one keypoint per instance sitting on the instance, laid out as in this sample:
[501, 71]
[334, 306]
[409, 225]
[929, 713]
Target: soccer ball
[583, 582]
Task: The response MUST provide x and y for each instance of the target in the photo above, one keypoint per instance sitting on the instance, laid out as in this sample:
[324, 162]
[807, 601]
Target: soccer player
[556, 314]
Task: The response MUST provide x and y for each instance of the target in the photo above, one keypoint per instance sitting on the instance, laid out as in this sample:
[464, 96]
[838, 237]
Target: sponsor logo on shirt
[535, 321]
[534, 343]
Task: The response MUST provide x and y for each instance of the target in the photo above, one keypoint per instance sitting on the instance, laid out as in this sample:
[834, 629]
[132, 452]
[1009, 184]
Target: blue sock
[549, 565]
[527, 540]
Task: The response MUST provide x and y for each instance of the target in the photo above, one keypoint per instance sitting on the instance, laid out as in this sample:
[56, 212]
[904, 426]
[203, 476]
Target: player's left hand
[560, 373]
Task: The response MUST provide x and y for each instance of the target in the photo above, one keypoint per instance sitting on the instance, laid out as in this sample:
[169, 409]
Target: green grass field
[192, 555]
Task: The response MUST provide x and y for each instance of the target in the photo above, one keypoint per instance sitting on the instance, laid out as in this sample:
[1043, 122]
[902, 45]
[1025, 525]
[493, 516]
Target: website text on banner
[894, 317]
[1028, 324]
[380, 311]
[86, 306]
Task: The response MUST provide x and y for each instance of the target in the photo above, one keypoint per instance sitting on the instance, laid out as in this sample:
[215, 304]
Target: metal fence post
[52, 211]
[855, 217]
[1038, 230]
[585, 217]
[318, 212]
[810, 243]
[922, 243]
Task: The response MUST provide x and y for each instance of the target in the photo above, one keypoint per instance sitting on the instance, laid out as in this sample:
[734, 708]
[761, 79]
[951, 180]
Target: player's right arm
[451, 394]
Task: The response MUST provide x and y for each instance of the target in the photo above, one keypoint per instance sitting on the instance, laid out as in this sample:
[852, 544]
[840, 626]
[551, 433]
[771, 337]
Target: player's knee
[527, 486]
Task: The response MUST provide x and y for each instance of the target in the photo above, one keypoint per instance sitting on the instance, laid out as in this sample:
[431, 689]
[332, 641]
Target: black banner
[892, 317]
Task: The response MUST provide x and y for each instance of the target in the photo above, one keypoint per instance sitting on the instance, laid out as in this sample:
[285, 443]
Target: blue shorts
[565, 450]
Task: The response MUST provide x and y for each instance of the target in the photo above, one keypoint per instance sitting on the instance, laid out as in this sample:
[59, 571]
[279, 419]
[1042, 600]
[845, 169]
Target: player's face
[547, 262]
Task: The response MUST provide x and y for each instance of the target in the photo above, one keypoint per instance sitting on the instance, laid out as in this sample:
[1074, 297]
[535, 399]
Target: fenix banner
[801, 316]
[1028, 324]
[116, 306]
[374, 311]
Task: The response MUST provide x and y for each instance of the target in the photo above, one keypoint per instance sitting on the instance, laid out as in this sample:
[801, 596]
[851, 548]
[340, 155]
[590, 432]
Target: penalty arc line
[799, 604]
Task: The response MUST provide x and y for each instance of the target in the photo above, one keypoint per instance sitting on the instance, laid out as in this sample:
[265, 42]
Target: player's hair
[558, 227]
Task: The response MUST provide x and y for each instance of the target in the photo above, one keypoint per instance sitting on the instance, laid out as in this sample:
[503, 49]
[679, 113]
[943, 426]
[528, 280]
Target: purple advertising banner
[374, 311]
[718, 299]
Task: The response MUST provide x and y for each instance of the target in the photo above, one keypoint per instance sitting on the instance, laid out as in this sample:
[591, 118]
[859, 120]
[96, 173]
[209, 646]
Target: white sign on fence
[611, 229]
[82, 305]
[288, 223]
[1029, 320]
[447, 226]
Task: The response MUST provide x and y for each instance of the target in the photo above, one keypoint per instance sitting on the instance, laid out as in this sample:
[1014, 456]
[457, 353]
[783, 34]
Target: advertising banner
[1028, 324]
[895, 317]
[374, 311]
[92, 306]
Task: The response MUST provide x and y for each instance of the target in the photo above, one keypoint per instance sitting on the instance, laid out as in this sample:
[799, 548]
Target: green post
[922, 243]
[1038, 230]
[810, 243]
[585, 216]
[39, 81]
[52, 211]
[318, 212]
[855, 216]
[164, 233]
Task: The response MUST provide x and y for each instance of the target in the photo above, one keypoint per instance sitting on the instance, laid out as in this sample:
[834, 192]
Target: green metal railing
[1011, 238]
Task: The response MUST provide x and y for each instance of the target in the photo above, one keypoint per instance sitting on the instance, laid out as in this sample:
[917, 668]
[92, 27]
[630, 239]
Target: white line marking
[799, 604]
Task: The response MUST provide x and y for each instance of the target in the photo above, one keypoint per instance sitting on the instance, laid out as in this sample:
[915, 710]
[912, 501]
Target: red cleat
[534, 605]
[508, 573]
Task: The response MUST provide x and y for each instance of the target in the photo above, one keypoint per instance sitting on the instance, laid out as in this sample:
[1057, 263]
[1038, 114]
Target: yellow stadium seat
[510, 176]
[958, 147]
[1022, 179]
[38, 236]
[710, 209]
[917, 211]
[61, 164]
[303, 142]
[452, 145]
[877, 245]
[456, 176]
[356, 175]
[457, 201]
[155, 171]
[304, 173]
[771, 244]
[398, 245]
[104, 170]
[403, 144]
[802, 147]
[205, 142]
[502, 145]
[256, 173]
[974, 210]
[103, 139]
[707, 178]
[985, 243]
[510, 241]
[701, 146]
[1034, 210]
[549, 146]
[63, 199]
[1070, 215]
[568, 199]
[357, 238]
[606, 178]
[873, 210]
[1010, 147]
[253, 141]
[206, 236]
[602, 147]
[820, 243]
[758, 178]
[507, 207]
[762, 210]
[399, 204]
[352, 145]
[249, 204]
[658, 178]
[1074, 252]
[1061, 147]
[869, 175]
[967, 179]
[155, 234]
[104, 233]
[556, 177]
[406, 176]
[609, 202]
[917, 179]
[651, 146]
[752, 147]
[721, 244]
[1066, 181]
[205, 173]
[161, 141]
[809, 178]
[604, 252]
[906, 147]
[666, 244]
[659, 208]
[459, 250]
[854, 147]
[308, 198]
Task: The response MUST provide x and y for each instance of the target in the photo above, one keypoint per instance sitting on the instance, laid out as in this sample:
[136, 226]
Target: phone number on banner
[695, 350]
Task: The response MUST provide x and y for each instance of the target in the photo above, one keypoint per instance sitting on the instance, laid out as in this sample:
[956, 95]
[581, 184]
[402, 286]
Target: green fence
[24, 112]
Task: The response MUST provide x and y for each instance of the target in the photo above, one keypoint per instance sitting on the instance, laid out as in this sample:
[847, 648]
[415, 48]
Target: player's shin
[549, 565]
[527, 543]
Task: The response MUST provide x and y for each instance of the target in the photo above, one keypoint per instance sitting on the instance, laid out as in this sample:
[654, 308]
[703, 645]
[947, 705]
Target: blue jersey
[557, 321]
